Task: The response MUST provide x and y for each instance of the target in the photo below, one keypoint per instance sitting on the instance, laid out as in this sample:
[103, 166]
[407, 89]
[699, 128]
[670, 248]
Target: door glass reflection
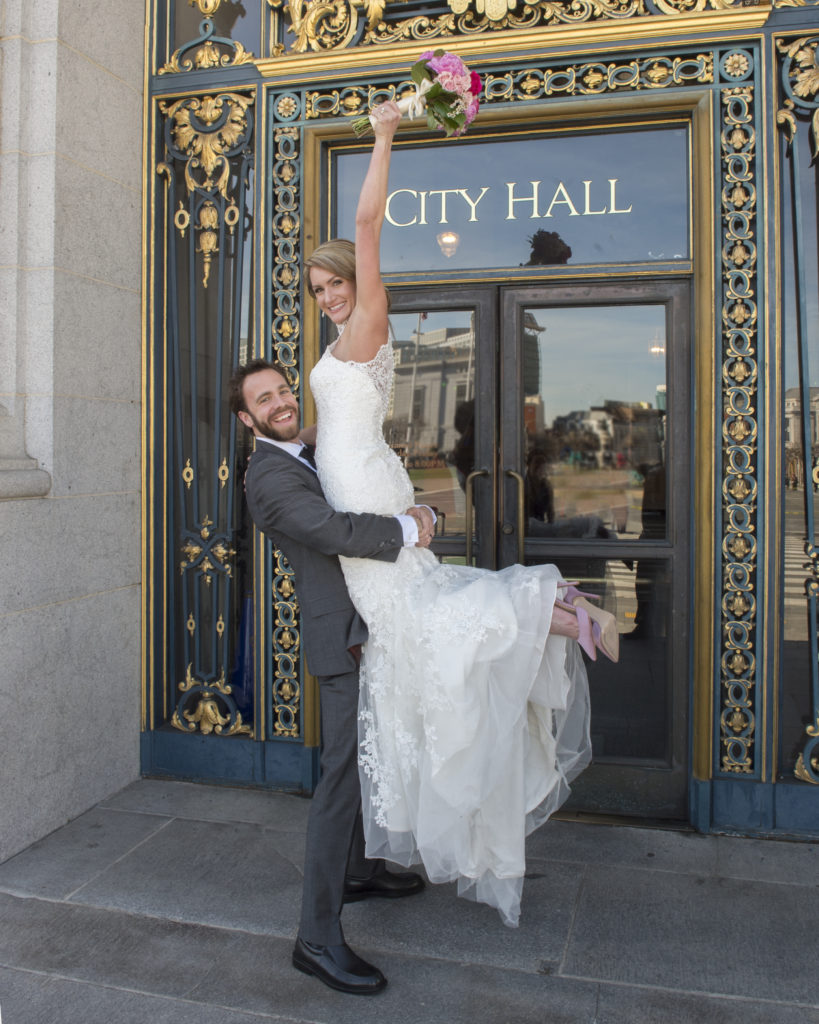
[594, 382]
[431, 423]
[594, 452]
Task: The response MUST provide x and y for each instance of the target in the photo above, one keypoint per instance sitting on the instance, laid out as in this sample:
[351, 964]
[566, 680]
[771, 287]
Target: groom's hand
[426, 524]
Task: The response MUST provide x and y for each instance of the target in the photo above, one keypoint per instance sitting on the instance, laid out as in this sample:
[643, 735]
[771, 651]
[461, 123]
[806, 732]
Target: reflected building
[793, 417]
[434, 373]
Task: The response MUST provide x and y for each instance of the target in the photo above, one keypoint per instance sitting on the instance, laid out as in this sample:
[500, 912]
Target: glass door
[552, 425]
[444, 416]
[595, 454]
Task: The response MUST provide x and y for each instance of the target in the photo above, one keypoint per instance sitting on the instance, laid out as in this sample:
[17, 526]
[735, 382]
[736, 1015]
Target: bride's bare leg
[564, 623]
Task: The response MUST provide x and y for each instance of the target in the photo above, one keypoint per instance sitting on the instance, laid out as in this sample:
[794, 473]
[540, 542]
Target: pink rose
[475, 83]
[448, 62]
[471, 110]
[452, 82]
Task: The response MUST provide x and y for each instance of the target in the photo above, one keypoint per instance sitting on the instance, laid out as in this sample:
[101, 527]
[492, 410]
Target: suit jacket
[287, 504]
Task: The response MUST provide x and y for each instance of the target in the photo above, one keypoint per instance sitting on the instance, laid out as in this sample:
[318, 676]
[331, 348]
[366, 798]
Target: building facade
[604, 307]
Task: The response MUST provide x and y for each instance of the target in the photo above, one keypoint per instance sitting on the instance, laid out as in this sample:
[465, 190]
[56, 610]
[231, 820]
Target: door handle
[468, 512]
[521, 504]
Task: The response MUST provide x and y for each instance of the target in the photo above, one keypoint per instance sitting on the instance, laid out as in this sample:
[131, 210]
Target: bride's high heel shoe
[598, 628]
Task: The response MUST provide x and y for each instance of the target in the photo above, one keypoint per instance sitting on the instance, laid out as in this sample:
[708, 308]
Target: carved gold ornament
[208, 714]
[328, 24]
[320, 25]
[736, 65]
[494, 10]
[213, 555]
[801, 84]
[206, 132]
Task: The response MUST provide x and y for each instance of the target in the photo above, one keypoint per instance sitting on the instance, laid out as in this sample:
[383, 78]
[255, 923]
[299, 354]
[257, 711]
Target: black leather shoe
[384, 884]
[339, 967]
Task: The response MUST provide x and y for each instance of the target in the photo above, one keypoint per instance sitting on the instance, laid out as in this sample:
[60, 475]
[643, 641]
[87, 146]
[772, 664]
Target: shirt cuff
[409, 527]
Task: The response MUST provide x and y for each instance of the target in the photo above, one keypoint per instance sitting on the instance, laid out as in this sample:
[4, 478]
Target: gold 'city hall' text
[435, 206]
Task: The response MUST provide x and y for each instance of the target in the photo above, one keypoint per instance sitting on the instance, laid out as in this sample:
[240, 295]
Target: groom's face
[272, 410]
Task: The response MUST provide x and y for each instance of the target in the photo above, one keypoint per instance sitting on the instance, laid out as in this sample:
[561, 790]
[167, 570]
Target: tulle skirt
[473, 719]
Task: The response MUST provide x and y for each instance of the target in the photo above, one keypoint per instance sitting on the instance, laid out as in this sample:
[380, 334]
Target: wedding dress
[472, 719]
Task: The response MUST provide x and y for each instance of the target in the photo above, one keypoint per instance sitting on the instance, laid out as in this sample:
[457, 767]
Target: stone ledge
[20, 478]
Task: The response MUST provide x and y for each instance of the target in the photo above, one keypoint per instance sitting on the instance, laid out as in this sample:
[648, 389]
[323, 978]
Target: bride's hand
[385, 118]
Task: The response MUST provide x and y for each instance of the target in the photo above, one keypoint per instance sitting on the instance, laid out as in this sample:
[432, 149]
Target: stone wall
[70, 387]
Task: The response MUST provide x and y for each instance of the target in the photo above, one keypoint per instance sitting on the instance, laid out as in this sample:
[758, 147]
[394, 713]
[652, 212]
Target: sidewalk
[174, 903]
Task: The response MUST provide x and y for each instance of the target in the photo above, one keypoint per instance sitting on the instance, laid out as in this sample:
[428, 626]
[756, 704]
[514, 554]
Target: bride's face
[335, 295]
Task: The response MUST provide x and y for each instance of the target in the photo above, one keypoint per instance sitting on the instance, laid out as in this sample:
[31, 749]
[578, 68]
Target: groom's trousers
[335, 837]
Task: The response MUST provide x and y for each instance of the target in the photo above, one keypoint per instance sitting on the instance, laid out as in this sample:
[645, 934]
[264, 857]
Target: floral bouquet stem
[444, 88]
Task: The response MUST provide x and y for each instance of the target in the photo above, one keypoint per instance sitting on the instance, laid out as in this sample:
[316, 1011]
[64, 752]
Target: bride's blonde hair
[336, 257]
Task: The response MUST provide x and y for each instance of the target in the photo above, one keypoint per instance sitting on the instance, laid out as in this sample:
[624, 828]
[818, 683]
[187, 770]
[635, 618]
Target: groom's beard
[288, 432]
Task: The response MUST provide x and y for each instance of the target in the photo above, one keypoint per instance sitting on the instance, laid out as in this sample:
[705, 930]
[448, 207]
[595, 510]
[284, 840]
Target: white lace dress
[472, 719]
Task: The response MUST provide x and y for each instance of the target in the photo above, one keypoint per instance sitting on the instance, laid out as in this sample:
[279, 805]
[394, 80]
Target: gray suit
[286, 502]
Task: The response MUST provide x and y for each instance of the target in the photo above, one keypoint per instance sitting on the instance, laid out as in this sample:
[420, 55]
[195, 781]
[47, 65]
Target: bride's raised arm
[367, 328]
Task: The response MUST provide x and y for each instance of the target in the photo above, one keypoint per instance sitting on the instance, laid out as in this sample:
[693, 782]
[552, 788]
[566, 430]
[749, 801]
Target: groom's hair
[236, 384]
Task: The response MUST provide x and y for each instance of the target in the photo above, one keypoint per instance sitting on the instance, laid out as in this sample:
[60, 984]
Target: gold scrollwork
[207, 56]
[588, 79]
[286, 647]
[740, 430]
[473, 17]
[285, 326]
[322, 25]
[537, 83]
[223, 472]
[188, 474]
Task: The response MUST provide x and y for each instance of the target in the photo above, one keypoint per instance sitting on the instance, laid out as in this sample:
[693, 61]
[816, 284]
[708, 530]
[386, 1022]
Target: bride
[474, 707]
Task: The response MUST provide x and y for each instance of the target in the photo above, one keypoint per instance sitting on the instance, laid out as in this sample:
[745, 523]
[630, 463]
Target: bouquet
[445, 88]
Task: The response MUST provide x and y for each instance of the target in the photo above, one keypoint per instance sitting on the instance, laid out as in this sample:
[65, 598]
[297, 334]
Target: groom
[286, 502]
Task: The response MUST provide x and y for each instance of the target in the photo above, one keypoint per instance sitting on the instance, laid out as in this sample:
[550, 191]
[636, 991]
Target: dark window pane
[573, 198]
